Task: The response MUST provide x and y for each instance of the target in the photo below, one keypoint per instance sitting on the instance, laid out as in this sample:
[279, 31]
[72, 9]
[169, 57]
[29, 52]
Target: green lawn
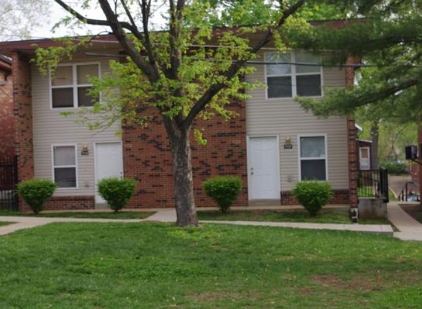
[329, 215]
[151, 265]
[5, 223]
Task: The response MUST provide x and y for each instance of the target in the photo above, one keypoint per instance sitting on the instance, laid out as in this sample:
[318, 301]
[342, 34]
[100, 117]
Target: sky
[56, 14]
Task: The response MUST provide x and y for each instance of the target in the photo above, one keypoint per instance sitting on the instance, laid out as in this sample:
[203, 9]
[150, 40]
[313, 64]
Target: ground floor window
[312, 158]
[64, 166]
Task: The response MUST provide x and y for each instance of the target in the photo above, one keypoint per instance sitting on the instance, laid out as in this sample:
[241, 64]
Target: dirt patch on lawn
[373, 281]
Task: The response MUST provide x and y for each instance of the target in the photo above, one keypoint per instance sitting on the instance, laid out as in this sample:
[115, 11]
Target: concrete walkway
[409, 229]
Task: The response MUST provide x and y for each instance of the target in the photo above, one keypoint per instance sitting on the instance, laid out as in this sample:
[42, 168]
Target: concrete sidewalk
[409, 229]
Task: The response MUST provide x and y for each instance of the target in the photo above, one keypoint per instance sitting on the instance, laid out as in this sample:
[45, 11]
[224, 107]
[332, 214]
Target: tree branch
[127, 44]
[90, 21]
[237, 65]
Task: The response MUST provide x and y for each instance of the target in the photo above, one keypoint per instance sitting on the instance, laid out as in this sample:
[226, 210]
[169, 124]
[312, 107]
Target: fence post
[384, 184]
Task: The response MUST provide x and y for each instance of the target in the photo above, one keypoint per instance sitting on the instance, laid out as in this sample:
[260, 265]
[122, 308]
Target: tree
[387, 42]
[228, 13]
[385, 36]
[184, 72]
[18, 18]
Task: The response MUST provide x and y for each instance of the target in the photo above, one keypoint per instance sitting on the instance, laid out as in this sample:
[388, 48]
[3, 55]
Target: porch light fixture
[288, 143]
[85, 150]
[412, 153]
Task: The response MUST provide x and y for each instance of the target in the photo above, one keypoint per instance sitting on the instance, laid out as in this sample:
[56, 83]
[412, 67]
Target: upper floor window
[313, 158]
[70, 85]
[293, 74]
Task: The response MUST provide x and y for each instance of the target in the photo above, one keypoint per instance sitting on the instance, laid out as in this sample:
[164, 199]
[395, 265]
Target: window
[64, 166]
[70, 85]
[313, 160]
[287, 77]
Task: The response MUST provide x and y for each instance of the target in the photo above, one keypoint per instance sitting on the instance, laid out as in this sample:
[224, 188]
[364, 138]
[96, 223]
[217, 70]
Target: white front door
[108, 163]
[263, 169]
[364, 158]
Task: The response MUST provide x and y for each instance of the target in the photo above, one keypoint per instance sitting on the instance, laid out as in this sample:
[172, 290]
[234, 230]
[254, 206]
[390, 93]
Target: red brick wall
[23, 118]
[65, 203]
[352, 136]
[147, 159]
[353, 162]
[7, 130]
[23, 114]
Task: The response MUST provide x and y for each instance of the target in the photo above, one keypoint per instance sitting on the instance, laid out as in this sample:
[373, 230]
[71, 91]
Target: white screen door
[108, 163]
[263, 168]
[364, 158]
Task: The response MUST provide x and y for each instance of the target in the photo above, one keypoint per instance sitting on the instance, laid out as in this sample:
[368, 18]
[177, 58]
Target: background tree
[19, 19]
[227, 13]
[385, 36]
[184, 72]
[388, 43]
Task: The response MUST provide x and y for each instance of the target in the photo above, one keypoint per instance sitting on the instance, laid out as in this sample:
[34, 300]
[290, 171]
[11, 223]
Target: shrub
[116, 191]
[36, 192]
[312, 195]
[395, 168]
[223, 190]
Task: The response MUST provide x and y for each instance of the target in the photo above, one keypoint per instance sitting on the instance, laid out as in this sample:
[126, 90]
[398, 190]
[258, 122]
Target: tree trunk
[375, 144]
[182, 174]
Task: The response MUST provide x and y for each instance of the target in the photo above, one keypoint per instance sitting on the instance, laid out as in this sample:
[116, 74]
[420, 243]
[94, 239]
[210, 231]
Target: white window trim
[312, 158]
[293, 75]
[75, 166]
[74, 85]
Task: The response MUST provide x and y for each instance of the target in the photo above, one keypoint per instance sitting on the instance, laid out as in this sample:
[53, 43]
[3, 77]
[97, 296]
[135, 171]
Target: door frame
[249, 163]
[95, 163]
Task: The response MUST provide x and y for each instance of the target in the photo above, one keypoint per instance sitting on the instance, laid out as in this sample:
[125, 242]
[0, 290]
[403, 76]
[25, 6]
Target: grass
[328, 215]
[151, 265]
[340, 216]
[89, 215]
[366, 191]
[5, 223]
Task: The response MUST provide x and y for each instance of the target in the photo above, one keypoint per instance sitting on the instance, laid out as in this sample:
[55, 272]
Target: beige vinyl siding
[51, 128]
[283, 117]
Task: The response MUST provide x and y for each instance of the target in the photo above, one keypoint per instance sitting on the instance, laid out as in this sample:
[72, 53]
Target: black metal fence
[373, 183]
[8, 182]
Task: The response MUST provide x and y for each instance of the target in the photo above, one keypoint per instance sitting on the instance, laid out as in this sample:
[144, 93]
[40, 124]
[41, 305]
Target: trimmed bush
[224, 190]
[312, 195]
[36, 192]
[116, 191]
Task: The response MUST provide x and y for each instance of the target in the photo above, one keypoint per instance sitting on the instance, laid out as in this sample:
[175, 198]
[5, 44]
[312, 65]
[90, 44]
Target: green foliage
[396, 168]
[387, 48]
[223, 190]
[312, 195]
[116, 191]
[36, 192]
